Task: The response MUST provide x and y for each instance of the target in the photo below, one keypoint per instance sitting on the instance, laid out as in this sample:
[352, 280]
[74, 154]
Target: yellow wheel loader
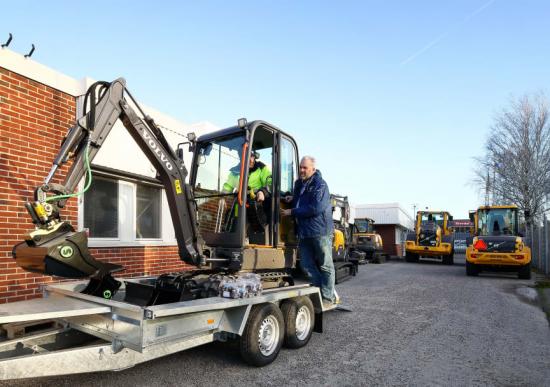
[497, 244]
[365, 239]
[432, 238]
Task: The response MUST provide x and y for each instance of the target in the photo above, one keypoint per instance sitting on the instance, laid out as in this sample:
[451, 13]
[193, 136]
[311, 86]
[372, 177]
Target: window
[125, 211]
[101, 208]
[148, 211]
[288, 166]
[217, 183]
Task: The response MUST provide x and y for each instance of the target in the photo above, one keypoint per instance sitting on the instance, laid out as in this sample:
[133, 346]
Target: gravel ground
[412, 324]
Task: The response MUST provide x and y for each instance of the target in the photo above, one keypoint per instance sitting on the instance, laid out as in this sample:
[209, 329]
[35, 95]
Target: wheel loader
[431, 238]
[365, 239]
[497, 243]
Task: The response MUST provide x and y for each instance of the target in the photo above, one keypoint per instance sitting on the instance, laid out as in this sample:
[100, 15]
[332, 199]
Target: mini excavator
[218, 232]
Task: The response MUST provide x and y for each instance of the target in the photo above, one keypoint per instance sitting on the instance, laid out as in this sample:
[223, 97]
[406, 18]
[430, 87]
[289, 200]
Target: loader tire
[471, 270]
[263, 335]
[449, 259]
[299, 319]
[525, 272]
[410, 257]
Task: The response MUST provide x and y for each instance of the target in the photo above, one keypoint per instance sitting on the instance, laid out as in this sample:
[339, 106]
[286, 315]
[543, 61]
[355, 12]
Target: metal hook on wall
[8, 41]
[30, 52]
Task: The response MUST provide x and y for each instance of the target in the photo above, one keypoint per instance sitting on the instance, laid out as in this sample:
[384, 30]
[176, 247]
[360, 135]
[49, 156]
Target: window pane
[148, 205]
[101, 208]
[288, 166]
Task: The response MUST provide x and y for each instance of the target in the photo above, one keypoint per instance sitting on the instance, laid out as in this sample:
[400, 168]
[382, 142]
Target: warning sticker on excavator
[178, 186]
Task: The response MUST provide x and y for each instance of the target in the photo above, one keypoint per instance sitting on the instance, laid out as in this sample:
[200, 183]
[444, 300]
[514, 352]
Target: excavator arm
[54, 247]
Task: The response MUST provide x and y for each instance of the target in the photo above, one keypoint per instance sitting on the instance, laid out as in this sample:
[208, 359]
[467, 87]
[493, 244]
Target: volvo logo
[154, 146]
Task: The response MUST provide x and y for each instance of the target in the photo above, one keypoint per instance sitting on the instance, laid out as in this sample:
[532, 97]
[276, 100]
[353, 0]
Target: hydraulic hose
[88, 178]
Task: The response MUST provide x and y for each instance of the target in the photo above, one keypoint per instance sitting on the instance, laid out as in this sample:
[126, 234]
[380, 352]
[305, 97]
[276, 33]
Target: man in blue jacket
[312, 210]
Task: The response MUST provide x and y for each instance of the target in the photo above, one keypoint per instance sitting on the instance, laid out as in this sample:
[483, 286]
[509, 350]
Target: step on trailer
[109, 335]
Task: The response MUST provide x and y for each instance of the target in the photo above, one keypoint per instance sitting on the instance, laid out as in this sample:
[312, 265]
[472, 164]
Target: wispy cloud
[455, 26]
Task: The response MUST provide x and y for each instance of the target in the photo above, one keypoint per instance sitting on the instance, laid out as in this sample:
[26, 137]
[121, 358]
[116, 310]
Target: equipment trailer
[102, 335]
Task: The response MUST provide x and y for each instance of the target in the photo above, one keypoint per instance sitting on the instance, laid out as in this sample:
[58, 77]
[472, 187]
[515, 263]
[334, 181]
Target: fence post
[539, 235]
[547, 254]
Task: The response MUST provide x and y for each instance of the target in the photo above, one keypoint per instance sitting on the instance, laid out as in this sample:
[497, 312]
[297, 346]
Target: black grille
[500, 244]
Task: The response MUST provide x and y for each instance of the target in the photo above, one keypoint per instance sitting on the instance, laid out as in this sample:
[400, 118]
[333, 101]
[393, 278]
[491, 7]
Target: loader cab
[438, 218]
[497, 221]
[229, 169]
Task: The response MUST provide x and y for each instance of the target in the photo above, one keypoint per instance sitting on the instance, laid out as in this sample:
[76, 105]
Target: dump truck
[242, 250]
[498, 244]
[431, 238]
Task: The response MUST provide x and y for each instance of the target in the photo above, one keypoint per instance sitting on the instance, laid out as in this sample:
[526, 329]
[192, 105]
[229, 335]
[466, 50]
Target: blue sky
[394, 98]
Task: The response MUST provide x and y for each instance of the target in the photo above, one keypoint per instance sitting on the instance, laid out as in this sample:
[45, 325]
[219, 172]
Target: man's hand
[287, 199]
[286, 212]
[260, 197]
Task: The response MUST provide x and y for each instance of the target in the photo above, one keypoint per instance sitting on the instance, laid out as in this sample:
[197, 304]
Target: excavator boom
[54, 247]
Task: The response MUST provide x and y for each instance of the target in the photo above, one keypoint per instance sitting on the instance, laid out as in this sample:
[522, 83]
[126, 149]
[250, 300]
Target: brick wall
[33, 120]
[387, 232]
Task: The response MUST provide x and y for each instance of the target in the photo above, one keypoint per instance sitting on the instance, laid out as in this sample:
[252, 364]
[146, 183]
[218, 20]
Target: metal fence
[461, 239]
[538, 238]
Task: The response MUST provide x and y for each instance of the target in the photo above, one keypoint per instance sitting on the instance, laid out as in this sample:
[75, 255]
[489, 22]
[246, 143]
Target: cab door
[287, 175]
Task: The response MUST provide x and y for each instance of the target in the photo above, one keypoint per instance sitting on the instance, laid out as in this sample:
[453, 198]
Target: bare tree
[516, 164]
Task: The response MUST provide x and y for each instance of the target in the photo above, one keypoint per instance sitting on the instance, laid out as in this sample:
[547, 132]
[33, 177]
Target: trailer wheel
[299, 320]
[471, 270]
[263, 335]
[525, 272]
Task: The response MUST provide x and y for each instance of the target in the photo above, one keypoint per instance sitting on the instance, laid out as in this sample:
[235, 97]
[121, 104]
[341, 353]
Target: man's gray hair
[310, 158]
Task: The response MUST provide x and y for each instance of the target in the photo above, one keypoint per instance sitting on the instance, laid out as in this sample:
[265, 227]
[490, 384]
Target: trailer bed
[103, 334]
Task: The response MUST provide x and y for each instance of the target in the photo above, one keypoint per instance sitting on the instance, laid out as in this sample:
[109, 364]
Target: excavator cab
[230, 169]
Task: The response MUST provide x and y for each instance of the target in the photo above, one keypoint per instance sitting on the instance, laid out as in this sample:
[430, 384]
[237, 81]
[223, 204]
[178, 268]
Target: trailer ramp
[52, 307]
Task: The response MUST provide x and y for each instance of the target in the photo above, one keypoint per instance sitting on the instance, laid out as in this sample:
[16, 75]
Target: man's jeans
[316, 262]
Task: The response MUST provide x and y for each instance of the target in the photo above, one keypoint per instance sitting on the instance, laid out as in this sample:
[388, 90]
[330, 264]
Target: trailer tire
[299, 319]
[263, 335]
[525, 272]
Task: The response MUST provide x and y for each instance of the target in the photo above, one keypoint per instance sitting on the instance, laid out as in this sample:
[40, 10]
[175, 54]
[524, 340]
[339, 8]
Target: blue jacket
[312, 209]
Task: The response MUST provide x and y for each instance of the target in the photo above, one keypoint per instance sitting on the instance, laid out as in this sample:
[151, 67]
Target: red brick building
[37, 106]
[392, 223]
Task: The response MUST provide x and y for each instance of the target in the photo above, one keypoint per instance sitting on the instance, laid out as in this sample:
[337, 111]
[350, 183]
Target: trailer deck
[103, 334]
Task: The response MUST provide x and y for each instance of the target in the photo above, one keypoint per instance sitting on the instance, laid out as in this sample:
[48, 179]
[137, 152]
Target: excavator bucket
[65, 255]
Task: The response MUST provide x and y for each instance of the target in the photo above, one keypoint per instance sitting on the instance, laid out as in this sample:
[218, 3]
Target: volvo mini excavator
[219, 231]
[431, 238]
[345, 264]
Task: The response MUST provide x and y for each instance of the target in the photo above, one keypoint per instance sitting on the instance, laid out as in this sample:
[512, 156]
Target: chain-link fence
[538, 238]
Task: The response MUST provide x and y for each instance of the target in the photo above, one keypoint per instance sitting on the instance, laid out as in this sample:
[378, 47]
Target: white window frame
[127, 192]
